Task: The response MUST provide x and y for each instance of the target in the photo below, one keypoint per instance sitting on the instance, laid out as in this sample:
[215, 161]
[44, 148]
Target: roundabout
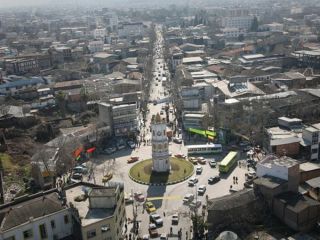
[180, 170]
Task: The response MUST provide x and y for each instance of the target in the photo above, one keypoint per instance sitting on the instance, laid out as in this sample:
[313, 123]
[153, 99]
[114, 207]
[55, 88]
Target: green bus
[228, 162]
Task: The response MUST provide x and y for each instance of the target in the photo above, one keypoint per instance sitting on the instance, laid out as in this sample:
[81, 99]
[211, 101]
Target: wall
[61, 229]
[291, 149]
[275, 171]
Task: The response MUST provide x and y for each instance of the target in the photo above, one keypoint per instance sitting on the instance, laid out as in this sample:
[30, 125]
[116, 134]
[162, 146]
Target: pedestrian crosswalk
[173, 197]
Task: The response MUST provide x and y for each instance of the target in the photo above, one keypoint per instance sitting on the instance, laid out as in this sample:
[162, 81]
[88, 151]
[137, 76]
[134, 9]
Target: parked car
[188, 198]
[153, 230]
[150, 207]
[80, 169]
[139, 196]
[193, 160]
[179, 155]
[175, 219]
[202, 189]
[199, 170]
[177, 140]
[155, 218]
[161, 112]
[131, 144]
[121, 146]
[201, 160]
[110, 150]
[76, 177]
[163, 236]
[212, 163]
[213, 180]
[128, 199]
[146, 237]
[192, 181]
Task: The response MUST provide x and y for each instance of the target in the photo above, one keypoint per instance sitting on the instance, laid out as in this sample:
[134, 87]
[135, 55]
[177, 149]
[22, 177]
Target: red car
[132, 159]
[139, 197]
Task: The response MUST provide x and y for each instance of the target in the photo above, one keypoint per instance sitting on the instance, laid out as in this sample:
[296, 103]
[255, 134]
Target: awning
[91, 150]
[78, 151]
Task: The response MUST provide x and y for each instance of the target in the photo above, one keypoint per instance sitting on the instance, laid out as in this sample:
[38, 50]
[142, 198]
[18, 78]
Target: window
[66, 219]
[105, 228]
[27, 234]
[314, 151]
[91, 233]
[43, 231]
[53, 224]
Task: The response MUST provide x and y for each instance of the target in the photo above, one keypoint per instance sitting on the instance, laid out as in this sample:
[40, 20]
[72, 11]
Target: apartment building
[124, 118]
[21, 66]
[101, 215]
[311, 139]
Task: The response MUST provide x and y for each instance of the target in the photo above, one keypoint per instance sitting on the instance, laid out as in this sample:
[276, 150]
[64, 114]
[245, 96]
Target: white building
[243, 22]
[99, 33]
[135, 29]
[41, 217]
[311, 137]
[95, 46]
[160, 148]
[282, 167]
[233, 32]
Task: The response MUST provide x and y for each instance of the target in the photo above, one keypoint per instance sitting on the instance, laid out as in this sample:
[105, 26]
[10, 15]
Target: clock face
[159, 133]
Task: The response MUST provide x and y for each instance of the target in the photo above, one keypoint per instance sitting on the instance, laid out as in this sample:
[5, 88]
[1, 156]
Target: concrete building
[233, 32]
[311, 139]
[124, 119]
[99, 33]
[39, 216]
[95, 46]
[13, 86]
[101, 215]
[133, 29]
[21, 66]
[160, 146]
[193, 120]
[241, 22]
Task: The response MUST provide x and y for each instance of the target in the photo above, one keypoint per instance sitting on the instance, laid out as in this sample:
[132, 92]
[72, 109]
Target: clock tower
[160, 148]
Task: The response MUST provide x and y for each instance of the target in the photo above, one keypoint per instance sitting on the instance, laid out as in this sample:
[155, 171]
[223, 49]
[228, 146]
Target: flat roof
[252, 56]
[269, 181]
[192, 59]
[88, 216]
[203, 145]
[270, 160]
[308, 166]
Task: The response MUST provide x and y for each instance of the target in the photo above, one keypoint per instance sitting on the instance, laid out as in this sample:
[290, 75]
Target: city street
[167, 199]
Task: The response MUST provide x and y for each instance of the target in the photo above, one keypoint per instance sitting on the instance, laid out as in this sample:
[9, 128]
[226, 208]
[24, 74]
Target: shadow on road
[157, 191]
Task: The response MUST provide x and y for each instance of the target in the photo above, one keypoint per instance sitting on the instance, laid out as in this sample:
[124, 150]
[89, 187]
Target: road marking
[177, 197]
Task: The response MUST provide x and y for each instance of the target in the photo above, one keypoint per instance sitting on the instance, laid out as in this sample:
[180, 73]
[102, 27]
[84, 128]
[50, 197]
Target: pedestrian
[234, 179]
[237, 180]
[164, 214]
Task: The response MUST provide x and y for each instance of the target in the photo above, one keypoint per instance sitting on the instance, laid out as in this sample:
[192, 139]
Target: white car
[131, 144]
[155, 218]
[175, 219]
[199, 170]
[202, 189]
[195, 204]
[163, 236]
[213, 163]
[192, 181]
[188, 198]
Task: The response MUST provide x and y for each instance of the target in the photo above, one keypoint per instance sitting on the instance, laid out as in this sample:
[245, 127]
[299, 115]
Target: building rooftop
[20, 213]
[296, 202]
[269, 181]
[192, 60]
[314, 182]
[285, 161]
[88, 216]
[308, 166]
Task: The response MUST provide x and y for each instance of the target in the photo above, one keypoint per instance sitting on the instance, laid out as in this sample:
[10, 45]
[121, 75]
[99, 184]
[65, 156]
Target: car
[188, 198]
[128, 199]
[175, 219]
[139, 197]
[177, 140]
[193, 160]
[163, 236]
[155, 218]
[80, 169]
[212, 163]
[192, 181]
[201, 160]
[179, 155]
[146, 237]
[161, 112]
[132, 159]
[156, 84]
[150, 207]
[153, 230]
[244, 144]
[120, 146]
[199, 170]
[131, 144]
[163, 107]
[202, 189]
[212, 180]
[76, 177]
[110, 150]
[171, 110]
[154, 102]
[107, 177]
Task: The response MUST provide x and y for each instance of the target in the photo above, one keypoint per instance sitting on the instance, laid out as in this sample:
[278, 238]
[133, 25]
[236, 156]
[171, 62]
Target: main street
[167, 199]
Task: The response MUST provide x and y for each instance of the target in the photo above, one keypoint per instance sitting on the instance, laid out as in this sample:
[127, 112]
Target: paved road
[167, 199]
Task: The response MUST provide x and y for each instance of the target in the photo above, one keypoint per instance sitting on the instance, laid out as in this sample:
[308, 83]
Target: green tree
[61, 101]
[254, 25]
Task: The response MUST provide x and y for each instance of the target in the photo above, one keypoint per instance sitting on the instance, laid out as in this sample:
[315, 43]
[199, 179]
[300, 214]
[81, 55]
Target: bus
[228, 162]
[204, 149]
